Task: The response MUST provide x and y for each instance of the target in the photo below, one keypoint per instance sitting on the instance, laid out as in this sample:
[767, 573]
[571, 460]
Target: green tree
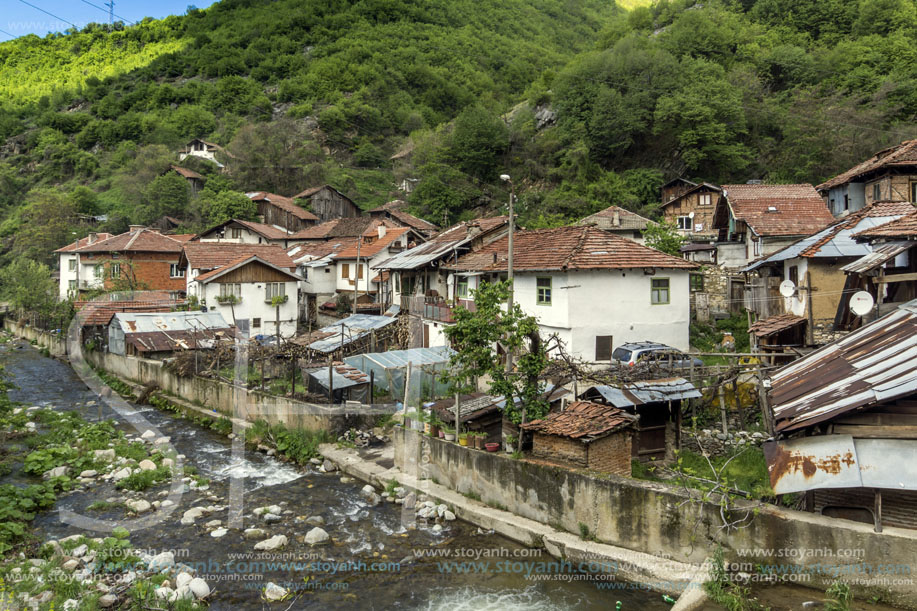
[478, 140]
[475, 336]
[29, 288]
[168, 194]
[47, 222]
[664, 236]
[227, 205]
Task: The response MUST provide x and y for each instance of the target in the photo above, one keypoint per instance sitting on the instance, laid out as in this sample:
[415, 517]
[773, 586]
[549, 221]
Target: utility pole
[356, 275]
[111, 14]
[509, 258]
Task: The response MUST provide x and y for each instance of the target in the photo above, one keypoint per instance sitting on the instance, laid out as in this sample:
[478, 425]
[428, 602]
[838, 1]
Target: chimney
[473, 229]
[134, 228]
[616, 219]
[382, 231]
[92, 237]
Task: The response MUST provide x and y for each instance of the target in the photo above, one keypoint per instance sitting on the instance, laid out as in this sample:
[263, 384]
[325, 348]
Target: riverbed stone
[437, 528]
[148, 434]
[107, 600]
[147, 465]
[317, 536]
[345, 479]
[273, 592]
[315, 521]
[139, 506]
[71, 604]
[271, 518]
[213, 524]
[274, 543]
[168, 462]
[199, 588]
[254, 533]
[448, 516]
[164, 593]
[89, 473]
[410, 500]
[162, 561]
[161, 441]
[56, 472]
[71, 565]
[121, 474]
[329, 466]
[191, 515]
[183, 579]
[219, 532]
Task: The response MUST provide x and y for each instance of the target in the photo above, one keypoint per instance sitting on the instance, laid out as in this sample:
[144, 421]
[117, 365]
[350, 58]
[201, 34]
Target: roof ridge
[578, 247]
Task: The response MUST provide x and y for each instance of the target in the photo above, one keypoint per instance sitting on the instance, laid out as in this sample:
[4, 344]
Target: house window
[913, 192]
[846, 202]
[697, 283]
[231, 288]
[360, 272]
[794, 275]
[603, 347]
[71, 265]
[98, 270]
[327, 270]
[236, 233]
[659, 293]
[256, 323]
[876, 192]
[345, 270]
[684, 223]
[304, 272]
[461, 287]
[175, 271]
[704, 199]
[543, 287]
[274, 289]
[73, 285]
[756, 247]
[115, 270]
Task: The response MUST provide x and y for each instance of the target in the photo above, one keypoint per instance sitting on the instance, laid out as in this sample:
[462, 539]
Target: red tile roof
[904, 154]
[239, 262]
[284, 203]
[83, 242]
[904, 228]
[372, 244]
[875, 210]
[464, 229]
[139, 240]
[568, 248]
[268, 231]
[583, 420]
[778, 210]
[335, 228]
[321, 249]
[185, 172]
[775, 324]
[604, 219]
[395, 209]
[211, 255]
[99, 313]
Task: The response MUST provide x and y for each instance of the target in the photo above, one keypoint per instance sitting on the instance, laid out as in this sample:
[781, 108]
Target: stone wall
[717, 443]
[664, 521]
[54, 342]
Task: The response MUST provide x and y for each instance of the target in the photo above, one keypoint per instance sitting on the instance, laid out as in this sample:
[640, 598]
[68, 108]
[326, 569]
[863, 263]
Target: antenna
[861, 303]
[787, 288]
[111, 14]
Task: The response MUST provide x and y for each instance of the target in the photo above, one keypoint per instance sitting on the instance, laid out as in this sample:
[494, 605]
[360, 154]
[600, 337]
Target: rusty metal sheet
[807, 463]
[887, 463]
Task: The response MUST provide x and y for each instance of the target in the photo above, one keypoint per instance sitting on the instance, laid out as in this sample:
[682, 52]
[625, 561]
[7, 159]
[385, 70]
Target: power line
[7, 33]
[110, 11]
[37, 8]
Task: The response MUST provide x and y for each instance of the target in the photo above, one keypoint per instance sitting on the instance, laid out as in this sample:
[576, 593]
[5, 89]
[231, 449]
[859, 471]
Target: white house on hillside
[240, 281]
[316, 268]
[593, 289]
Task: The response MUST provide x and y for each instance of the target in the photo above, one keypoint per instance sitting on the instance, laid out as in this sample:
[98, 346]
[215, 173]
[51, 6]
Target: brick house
[140, 258]
[585, 435]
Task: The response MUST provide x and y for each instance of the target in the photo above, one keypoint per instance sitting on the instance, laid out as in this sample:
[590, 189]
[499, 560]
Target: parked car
[635, 353]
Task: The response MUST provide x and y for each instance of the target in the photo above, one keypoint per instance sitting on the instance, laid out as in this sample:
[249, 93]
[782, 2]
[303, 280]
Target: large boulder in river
[317, 536]
[147, 465]
[275, 542]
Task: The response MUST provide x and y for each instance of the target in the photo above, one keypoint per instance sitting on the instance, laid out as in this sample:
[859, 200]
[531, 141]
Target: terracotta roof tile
[211, 255]
[284, 203]
[604, 219]
[335, 228]
[904, 154]
[396, 209]
[139, 240]
[904, 228]
[83, 242]
[371, 248]
[99, 313]
[238, 261]
[583, 420]
[775, 324]
[320, 249]
[185, 172]
[779, 210]
[566, 248]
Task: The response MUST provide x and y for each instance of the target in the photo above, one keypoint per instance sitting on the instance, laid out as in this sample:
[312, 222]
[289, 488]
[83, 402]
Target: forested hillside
[585, 104]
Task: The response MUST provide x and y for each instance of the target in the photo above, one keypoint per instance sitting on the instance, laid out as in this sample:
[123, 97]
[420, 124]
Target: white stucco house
[316, 267]
[247, 232]
[75, 274]
[240, 281]
[594, 290]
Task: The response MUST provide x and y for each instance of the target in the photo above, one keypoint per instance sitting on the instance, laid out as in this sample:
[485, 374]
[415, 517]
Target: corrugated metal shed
[340, 380]
[398, 359]
[420, 256]
[647, 391]
[876, 363]
[144, 322]
[165, 332]
[881, 253]
[349, 330]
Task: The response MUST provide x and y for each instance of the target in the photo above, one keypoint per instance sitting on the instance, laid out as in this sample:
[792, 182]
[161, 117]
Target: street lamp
[509, 260]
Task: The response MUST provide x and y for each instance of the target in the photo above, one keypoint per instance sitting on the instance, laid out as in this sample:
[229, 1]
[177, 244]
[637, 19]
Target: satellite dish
[691, 215]
[787, 288]
[861, 303]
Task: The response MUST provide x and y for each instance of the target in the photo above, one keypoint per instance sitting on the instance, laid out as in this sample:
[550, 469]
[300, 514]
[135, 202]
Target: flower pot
[479, 442]
[492, 447]
[449, 436]
[434, 431]
[442, 433]
[463, 441]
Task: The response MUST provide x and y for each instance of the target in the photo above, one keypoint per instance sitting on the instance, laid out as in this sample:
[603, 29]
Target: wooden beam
[897, 278]
[877, 432]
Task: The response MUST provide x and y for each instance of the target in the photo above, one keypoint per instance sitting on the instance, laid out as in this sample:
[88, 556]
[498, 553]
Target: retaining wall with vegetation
[55, 343]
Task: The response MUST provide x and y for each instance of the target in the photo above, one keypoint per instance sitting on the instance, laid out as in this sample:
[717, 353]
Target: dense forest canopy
[584, 103]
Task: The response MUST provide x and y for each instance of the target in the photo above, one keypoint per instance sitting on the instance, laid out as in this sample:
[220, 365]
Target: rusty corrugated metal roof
[874, 364]
[879, 255]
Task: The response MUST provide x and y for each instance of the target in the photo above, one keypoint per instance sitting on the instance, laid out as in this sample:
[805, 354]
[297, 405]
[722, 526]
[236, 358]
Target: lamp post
[509, 258]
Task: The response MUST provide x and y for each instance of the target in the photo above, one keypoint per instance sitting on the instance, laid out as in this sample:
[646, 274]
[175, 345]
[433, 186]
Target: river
[361, 534]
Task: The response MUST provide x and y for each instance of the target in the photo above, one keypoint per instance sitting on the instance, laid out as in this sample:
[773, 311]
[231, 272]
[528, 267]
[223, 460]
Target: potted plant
[463, 439]
[448, 433]
[510, 443]
[479, 439]
[434, 426]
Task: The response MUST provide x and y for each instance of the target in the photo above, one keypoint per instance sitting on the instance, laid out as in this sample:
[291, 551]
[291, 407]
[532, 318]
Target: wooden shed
[328, 203]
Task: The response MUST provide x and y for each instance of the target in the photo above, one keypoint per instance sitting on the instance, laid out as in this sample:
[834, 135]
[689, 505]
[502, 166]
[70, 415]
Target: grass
[104, 506]
[497, 505]
[145, 479]
[474, 496]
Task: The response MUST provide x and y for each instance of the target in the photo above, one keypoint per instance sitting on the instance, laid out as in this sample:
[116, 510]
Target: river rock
[213, 524]
[199, 587]
[71, 604]
[148, 434]
[254, 533]
[147, 465]
[219, 532]
[139, 506]
[71, 565]
[271, 518]
[183, 579]
[275, 542]
[346, 479]
[107, 601]
[168, 462]
[121, 474]
[410, 500]
[164, 593]
[448, 516]
[315, 521]
[166, 503]
[191, 515]
[89, 473]
[79, 551]
[317, 536]
[329, 467]
[275, 509]
[161, 441]
[437, 528]
[273, 592]
[56, 472]
[160, 562]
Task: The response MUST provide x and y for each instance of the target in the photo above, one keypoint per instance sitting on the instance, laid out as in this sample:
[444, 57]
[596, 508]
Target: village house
[395, 212]
[845, 424]
[594, 290]
[159, 335]
[195, 180]
[889, 175]
[420, 284]
[247, 232]
[335, 229]
[204, 150]
[241, 282]
[755, 220]
[355, 275]
[691, 208]
[620, 222]
[281, 211]
[316, 266]
[139, 259]
[586, 435]
[817, 262]
[328, 203]
[888, 273]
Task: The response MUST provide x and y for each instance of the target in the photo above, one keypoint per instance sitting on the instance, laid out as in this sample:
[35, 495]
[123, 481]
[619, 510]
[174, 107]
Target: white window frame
[175, 271]
[684, 223]
[115, 271]
[230, 288]
[274, 289]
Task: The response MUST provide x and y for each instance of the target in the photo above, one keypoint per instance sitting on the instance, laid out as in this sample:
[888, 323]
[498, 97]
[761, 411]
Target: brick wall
[560, 449]
[150, 270]
[611, 454]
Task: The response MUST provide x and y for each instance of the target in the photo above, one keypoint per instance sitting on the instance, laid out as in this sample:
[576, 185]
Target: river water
[361, 535]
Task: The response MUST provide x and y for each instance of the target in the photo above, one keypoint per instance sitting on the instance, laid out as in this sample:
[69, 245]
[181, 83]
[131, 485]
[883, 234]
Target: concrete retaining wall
[54, 342]
[664, 521]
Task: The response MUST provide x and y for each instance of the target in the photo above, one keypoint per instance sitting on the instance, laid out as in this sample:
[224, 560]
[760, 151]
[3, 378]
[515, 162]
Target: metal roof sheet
[646, 391]
[398, 359]
[146, 322]
[876, 363]
[349, 330]
[354, 377]
[880, 254]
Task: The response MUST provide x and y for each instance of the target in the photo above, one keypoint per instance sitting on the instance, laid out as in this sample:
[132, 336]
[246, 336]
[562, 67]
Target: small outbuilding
[586, 435]
[158, 335]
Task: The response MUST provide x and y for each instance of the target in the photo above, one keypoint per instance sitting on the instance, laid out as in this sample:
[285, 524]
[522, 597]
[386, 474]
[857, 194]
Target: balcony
[433, 308]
